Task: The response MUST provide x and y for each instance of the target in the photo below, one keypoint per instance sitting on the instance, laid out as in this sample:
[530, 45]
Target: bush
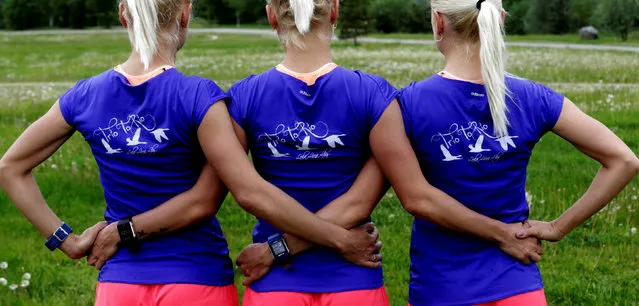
[23, 14]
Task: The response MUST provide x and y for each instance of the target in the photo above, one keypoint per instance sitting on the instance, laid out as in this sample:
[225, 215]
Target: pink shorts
[375, 297]
[535, 298]
[117, 294]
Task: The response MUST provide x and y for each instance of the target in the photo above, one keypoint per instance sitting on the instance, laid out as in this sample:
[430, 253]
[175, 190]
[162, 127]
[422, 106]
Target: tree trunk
[624, 34]
[237, 18]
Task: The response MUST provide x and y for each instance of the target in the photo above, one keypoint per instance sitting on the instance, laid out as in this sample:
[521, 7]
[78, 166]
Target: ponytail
[492, 52]
[303, 11]
[144, 30]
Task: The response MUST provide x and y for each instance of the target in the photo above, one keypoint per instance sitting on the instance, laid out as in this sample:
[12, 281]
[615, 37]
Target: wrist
[268, 257]
[501, 234]
[69, 246]
[558, 228]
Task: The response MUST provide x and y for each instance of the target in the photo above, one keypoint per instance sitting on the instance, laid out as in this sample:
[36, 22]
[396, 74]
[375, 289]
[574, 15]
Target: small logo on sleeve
[476, 94]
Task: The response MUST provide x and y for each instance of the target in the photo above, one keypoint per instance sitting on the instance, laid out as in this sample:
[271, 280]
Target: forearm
[23, 191]
[179, 212]
[353, 207]
[267, 202]
[438, 207]
[608, 182]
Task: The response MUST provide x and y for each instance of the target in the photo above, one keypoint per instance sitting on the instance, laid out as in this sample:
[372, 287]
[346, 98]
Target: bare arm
[350, 209]
[397, 159]
[261, 198]
[347, 211]
[38, 142]
[619, 165]
[188, 208]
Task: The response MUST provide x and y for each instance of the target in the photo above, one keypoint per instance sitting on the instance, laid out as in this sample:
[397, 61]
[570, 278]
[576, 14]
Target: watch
[279, 248]
[128, 238]
[58, 237]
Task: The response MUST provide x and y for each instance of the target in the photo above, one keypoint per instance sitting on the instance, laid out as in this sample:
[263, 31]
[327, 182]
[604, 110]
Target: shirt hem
[487, 299]
[312, 289]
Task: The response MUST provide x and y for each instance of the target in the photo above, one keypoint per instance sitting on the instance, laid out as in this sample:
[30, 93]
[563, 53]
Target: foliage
[618, 16]
[22, 14]
[355, 19]
[548, 16]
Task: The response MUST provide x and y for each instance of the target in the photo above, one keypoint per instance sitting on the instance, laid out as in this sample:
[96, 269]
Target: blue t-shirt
[311, 142]
[144, 139]
[451, 129]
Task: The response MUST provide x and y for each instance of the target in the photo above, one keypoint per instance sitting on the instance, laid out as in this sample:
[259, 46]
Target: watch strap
[61, 234]
[128, 238]
[279, 249]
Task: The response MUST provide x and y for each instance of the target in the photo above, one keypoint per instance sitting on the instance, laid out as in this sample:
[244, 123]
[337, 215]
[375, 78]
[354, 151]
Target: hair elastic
[479, 4]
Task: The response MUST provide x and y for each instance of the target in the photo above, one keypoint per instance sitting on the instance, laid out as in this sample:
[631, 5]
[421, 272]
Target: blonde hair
[480, 22]
[151, 23]
[298, 18]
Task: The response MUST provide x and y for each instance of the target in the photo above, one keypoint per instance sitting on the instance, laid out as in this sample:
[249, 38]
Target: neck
[464, 63]
[316, 53]
[134, 65]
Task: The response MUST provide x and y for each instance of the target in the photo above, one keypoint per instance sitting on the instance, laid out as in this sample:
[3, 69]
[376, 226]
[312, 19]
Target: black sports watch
[279, 249]
[128, 238]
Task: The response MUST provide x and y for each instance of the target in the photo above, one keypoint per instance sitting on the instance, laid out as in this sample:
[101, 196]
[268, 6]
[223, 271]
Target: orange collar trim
[310, 77]
[136, 80]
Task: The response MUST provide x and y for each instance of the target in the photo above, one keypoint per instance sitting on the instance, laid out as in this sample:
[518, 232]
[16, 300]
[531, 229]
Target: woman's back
[144, 139]
[311, 141]
[449, 124]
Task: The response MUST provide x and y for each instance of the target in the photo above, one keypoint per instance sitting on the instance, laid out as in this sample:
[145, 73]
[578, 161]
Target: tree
[548, 16]
[581, 12]
[22, 14]
[515, 20]
[238, 6]
[617, 15]
[354, 19]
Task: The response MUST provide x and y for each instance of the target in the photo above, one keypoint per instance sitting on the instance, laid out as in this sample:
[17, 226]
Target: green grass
[598, 264]
[604, 39]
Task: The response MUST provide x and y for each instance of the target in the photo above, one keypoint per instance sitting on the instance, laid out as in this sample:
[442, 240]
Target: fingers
[369, 227]
[535, 257]
[527, 232]
[539, 249]
[377, 247]
[371, 265]
[374, 234]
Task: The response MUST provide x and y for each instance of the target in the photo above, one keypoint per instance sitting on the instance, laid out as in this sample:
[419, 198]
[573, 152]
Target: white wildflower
[389, 195]
[3, 281]
[634, 198]
[13, 287]
[542, 201]
[26, 276]
[54, 166]
[24, 283]
[4, 265]
[633, 230]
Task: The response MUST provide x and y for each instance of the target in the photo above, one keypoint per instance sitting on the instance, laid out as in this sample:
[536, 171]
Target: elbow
[422, 207]
[633, 165]
[4, 172]
[205, 208]
[248, 201]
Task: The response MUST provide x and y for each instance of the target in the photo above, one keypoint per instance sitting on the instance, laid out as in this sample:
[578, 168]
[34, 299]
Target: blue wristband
[58, 237]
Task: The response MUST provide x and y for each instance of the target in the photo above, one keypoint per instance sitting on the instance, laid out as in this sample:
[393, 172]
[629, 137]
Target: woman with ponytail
[151, 130]
[473, 128]
[311, 127]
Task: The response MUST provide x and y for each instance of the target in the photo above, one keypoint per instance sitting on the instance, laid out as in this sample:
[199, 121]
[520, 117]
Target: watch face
[278, 247]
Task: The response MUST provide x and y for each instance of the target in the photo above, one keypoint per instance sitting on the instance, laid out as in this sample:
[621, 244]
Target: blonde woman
[145, 122]
[310, 126]
[473, 128]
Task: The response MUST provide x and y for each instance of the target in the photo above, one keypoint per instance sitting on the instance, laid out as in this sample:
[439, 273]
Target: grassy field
[598, 264]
